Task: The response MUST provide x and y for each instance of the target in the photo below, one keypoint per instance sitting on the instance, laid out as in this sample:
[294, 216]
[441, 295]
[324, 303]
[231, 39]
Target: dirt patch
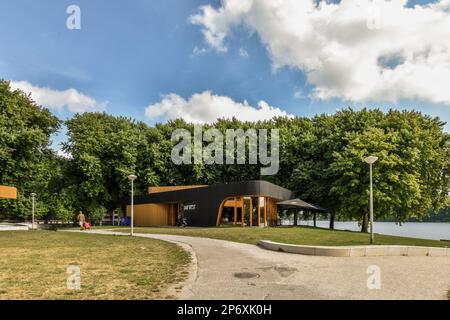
[285, 271]
[246, 275]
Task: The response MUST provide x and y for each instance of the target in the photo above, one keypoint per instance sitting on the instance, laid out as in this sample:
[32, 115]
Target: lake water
[425, 230]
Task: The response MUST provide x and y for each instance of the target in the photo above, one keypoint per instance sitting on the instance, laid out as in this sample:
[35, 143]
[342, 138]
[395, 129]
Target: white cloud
[356, 50]
[198, 51]
[63, 154]
[71, 99]
[206, 107]
[298, 94]
[243, 53]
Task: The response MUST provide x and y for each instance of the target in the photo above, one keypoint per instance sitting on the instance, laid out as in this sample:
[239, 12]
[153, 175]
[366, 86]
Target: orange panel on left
[8, 192]
[150, 214]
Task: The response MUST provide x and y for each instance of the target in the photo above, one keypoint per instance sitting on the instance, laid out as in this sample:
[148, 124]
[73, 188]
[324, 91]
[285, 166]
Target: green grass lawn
[33, 265]
[293, 235]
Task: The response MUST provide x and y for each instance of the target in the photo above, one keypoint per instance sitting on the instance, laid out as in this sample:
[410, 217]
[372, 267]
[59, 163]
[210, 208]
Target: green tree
[411, 176]
[26, 160]
[326, 161]
[103, 152]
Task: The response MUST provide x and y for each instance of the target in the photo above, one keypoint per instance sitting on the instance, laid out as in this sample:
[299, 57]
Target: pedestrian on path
[81, 219]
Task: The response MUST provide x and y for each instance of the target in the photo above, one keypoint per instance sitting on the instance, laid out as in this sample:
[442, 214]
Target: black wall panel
[207, 200]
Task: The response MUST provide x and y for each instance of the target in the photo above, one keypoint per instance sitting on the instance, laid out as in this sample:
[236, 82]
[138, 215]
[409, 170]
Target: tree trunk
[332, 221]
[315, 219]
[365, 223]
[295, 218]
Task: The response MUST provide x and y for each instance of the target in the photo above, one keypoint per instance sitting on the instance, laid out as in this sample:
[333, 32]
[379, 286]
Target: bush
[96, 214]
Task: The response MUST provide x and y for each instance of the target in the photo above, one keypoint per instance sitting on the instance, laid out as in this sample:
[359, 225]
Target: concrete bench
[355, 251]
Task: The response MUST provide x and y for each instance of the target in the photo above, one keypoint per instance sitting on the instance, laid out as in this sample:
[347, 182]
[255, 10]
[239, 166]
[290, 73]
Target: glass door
[261, 211]
[247, 201]
[255, 216]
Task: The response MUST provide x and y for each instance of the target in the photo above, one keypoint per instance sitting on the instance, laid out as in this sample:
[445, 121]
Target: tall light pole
[33, 196]
[132, 177]
[371, 160]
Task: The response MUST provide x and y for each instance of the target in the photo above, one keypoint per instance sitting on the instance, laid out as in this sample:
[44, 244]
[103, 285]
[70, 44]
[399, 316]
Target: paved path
[14, 226]
[229, 270]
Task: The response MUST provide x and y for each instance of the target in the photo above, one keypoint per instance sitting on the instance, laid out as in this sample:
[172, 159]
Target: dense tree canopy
[321, 158]
[411, 175]
[26, 161]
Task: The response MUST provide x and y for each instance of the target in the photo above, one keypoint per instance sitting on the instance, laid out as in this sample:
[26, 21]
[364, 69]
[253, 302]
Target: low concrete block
[437, 252]
[290, 248]
[417, 251]
[376, 251]
[333, 252]
[302, 250]
[357, 252]
[268, 245]
[398, 251]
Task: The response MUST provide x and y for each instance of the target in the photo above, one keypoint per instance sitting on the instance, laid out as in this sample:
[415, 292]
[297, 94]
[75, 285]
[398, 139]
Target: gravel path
[230, 270]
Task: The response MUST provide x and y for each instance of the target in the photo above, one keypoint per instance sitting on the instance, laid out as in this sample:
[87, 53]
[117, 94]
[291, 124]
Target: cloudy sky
[253, 59]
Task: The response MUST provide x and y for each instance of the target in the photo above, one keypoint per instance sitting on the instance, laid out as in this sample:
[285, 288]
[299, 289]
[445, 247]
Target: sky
[253, 59]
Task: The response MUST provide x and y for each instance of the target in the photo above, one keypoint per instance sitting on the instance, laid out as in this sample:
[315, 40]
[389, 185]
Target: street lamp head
[371, 159]
[33, 194]
[132, 177]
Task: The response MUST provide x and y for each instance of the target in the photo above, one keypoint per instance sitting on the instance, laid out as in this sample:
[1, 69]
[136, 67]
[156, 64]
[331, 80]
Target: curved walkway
[230, 270]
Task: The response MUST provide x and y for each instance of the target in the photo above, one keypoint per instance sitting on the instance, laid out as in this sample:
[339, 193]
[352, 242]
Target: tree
[412, 173]
[96, 213]
[26, 160]
[104, 150]
[410, 176]
[321, 158]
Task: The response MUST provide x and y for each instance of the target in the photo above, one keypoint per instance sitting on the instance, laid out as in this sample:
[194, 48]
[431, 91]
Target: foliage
[443, 215]
[96, 213]
[26, 160]
[321, 158]
[411, 176]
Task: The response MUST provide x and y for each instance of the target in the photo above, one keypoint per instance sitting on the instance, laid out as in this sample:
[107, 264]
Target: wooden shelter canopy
[299, 204]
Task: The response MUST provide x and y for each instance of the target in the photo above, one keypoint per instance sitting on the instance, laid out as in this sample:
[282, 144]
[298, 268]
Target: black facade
[201, 205]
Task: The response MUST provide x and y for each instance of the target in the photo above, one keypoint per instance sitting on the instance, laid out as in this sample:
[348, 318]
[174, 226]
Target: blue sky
[129, 54]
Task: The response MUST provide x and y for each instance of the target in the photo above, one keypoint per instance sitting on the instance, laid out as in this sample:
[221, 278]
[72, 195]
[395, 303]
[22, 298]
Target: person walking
[81, 219]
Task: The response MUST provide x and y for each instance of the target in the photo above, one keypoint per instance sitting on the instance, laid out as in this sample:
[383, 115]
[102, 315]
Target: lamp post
[132, 177]
[371, 160]
[33, 196]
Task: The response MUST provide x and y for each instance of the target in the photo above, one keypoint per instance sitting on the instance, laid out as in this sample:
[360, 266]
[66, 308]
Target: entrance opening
[262, 216]
[247, 202]
[244, 211]
[254, 209]
[227, 216]
[175, 214]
